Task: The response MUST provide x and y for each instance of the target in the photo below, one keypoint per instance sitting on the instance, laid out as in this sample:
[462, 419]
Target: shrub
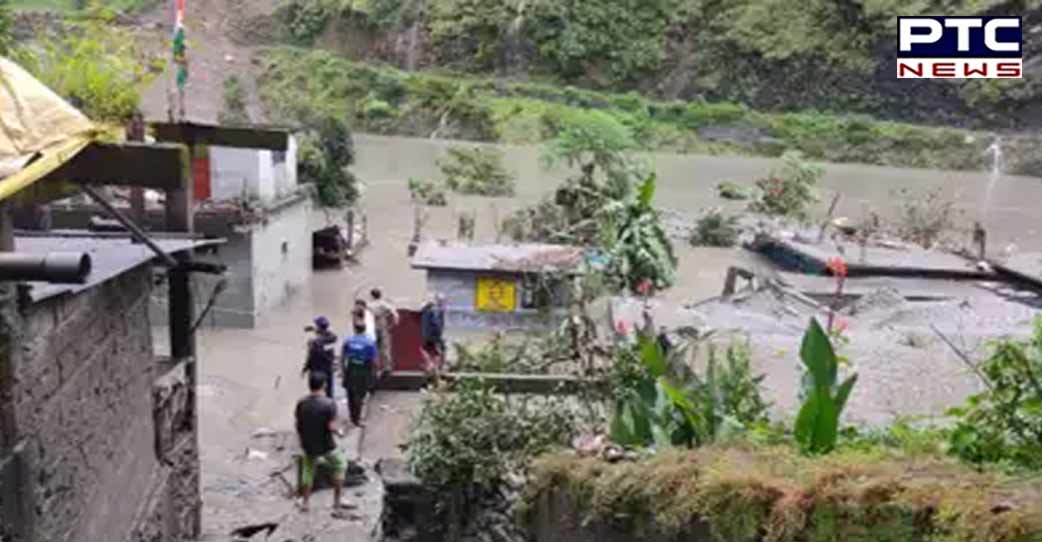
[731, 190]
[477, 170]
[233, 108]
[716, 230]
[471, 437]
[924, 219]
[94, 65]
[791, 191]
[1004, 423]
[427, 193]
[306, 19]
[6, 24]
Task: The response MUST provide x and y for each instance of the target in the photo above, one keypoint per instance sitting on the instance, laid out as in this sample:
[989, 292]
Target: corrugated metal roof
[518, 257]
[109, 257]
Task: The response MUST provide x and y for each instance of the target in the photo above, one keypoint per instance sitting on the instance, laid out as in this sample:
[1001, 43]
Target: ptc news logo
[959, 47]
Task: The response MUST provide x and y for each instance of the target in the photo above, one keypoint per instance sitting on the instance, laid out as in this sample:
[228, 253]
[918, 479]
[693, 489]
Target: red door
[406, 341]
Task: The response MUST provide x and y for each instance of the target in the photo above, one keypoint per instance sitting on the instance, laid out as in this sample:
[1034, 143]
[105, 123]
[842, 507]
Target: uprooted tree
[607, 205]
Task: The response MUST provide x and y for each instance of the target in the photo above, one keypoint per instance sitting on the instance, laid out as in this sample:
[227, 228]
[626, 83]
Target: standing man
[432, 329]
[363, 314]
[386, 317]
[358, 356]
[316, 425]
[321, 357]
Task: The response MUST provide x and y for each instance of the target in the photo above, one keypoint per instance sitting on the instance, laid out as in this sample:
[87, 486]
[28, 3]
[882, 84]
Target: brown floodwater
[251, 379]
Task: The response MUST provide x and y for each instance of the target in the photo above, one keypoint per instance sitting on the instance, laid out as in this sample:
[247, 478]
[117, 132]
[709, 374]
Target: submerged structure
[500, 286]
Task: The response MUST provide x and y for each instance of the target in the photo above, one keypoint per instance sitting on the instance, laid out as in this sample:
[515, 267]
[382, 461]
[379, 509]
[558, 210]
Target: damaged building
[500, 286]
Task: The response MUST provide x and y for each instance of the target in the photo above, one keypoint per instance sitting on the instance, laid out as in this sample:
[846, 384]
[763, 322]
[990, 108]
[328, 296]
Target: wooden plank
[222, 136]
[157, 166]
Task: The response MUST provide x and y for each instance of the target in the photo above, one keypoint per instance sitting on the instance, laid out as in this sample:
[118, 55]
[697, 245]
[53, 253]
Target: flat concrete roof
[523, 258]
[109, 256]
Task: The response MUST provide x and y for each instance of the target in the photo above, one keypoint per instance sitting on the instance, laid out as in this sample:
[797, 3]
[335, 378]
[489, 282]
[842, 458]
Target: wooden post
[136, 132]
[828, 217]
[351, 229]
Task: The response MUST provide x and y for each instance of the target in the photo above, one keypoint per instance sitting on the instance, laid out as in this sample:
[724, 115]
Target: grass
[298, 83]
[772, 494]
[70, 6]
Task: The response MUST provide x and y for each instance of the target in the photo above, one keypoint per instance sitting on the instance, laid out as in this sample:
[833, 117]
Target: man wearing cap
[321, 358]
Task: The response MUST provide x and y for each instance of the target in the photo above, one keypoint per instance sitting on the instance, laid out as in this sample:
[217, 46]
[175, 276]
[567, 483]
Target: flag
[180, 48]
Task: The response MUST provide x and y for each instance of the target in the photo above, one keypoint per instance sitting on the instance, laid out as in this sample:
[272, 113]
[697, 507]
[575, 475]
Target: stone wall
[83, 399]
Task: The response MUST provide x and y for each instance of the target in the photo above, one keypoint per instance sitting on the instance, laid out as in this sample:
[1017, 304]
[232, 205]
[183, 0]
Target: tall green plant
[639, 248]
[817, 424]
[661, 402]
[476, 170]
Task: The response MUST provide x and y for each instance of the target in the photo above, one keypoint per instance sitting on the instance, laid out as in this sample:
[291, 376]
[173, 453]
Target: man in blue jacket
[358, 355]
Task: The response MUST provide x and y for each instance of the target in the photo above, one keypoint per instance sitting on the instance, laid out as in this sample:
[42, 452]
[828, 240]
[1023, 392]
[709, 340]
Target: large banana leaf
[817, 424]
[818, 356]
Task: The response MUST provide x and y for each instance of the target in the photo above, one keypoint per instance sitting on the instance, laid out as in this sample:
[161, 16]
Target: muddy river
[251, 379]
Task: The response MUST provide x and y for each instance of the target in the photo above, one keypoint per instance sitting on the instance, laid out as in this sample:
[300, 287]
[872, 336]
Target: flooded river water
[251, 378]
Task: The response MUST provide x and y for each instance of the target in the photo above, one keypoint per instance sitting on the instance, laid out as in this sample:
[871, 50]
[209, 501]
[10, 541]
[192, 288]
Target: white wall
[236, 173]
[281, 255]
[233, 172]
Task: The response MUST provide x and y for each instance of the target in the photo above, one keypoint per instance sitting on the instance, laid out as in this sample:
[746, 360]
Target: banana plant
[817, 424]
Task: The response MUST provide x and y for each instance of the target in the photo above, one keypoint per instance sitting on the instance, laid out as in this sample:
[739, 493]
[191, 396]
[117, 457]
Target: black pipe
[56, 267]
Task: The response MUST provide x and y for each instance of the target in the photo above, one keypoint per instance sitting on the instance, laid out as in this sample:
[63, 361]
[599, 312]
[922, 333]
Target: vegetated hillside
[773, 55]
[302, 85]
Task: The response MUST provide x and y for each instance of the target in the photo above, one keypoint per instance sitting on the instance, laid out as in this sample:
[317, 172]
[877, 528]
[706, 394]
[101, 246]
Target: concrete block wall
[83, 401]
[280, 255]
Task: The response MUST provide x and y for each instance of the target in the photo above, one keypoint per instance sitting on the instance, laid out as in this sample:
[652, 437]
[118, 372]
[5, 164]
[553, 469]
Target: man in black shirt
[316, 425]
[321, 357]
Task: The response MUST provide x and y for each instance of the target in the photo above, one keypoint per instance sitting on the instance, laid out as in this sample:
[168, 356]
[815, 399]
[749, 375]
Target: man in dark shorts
[316, 425]
[321, 356]
[359, 354]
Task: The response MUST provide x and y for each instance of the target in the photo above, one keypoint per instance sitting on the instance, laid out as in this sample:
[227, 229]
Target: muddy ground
[250, 379]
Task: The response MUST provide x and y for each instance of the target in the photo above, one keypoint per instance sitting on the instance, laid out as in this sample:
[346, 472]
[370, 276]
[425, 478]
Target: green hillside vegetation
[775, 55]
[300, 84]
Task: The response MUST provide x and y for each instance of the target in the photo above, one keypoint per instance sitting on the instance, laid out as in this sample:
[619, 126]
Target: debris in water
[264, 432]
[248, 531]
[256, 455]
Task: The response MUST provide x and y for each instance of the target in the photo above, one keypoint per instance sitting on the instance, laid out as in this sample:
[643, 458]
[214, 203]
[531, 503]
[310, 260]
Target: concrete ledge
[809, 259]
[503, 382]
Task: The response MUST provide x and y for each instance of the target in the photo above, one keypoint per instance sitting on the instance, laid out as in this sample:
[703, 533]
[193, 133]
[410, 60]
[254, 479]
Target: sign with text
[496, 295]
[959, 48]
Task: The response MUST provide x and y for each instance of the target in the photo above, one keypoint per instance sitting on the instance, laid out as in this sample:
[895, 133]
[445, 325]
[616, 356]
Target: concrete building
[99, 439]
[499, 286]
[251, 199]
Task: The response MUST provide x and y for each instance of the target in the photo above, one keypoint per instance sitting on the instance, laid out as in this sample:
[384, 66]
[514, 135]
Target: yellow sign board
[496, 295]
